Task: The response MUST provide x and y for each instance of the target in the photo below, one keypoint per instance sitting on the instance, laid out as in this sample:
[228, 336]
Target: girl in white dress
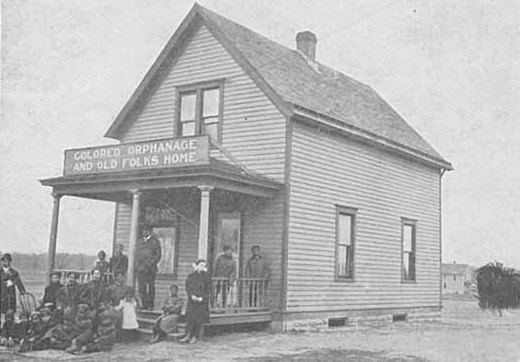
[129, 328]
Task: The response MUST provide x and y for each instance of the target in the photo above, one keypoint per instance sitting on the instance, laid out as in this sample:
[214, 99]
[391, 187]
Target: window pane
[188, 105]
[407, 237]
[211, 102]
[342, 260]
[188, 128]
[344, 229]
[406, 265]
[350, 260]
[212, 130]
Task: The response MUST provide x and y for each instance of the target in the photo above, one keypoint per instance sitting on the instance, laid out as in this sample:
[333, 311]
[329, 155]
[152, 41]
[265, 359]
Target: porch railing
[242, 294]
[84, 276]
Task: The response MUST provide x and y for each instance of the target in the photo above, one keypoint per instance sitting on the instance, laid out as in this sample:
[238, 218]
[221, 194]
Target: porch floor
[146, 319]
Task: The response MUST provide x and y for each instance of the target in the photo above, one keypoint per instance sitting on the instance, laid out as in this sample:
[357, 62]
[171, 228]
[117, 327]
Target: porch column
[51, 252]
[204, 221]
[134, 235]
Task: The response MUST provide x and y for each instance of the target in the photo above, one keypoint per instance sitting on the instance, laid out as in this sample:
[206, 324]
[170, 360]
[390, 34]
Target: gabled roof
[292, 82]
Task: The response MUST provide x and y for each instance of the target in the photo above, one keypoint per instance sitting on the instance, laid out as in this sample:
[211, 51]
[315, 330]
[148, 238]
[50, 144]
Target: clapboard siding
[122, 225]
[253, 129]
[328, 170]
[263, 225]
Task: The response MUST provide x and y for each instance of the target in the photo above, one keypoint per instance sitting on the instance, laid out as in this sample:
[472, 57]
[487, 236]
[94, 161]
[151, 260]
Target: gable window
[408, 249]
[200, 110]
[345, 240]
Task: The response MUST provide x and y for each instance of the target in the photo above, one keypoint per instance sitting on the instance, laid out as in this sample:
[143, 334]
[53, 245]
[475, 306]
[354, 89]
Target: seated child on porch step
[129, 328]
[167, 321]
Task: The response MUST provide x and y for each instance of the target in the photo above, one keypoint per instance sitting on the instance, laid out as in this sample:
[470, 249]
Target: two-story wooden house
[233, 139]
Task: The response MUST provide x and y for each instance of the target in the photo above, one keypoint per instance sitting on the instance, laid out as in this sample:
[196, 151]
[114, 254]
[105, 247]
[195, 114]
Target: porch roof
[217, 173]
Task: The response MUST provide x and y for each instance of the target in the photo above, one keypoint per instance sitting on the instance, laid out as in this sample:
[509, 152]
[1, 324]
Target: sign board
[149, 155]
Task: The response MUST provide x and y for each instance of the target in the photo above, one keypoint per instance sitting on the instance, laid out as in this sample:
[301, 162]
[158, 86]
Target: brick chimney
[306, 43]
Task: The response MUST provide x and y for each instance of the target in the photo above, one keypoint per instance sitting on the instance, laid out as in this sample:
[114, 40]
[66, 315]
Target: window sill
[344, 279]
[408, 281]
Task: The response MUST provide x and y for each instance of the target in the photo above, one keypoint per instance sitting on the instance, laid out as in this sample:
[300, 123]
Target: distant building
[457, 278]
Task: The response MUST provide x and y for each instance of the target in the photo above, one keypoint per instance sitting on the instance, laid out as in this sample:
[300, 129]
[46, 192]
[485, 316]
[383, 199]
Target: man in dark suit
[148, 254]
[9, 279]
[69, 294]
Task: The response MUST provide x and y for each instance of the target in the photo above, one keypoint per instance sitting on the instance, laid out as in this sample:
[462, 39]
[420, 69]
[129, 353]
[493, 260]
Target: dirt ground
[464, 334]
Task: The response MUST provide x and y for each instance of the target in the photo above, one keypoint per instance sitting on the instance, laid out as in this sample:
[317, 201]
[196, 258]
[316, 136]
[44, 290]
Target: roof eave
[372, 138]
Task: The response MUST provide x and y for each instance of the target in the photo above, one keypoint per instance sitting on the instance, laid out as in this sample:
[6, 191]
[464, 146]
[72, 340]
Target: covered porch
[194, 211]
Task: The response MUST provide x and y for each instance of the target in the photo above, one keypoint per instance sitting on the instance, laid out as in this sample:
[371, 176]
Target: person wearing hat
[9, 279]
[51, 291]
[148, 254]
[198, 286]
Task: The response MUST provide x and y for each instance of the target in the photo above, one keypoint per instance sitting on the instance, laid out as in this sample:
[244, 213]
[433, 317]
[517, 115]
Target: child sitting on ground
[21, 328]
[6, 332]
[62, 334]
[82, 333]
[129, 326]
[106, 335]
[167, 321]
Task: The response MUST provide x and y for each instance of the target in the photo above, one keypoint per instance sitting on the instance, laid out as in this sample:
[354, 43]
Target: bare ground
[464, 334]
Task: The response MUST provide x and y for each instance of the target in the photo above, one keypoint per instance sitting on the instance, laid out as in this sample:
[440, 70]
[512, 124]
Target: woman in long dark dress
[198, 285]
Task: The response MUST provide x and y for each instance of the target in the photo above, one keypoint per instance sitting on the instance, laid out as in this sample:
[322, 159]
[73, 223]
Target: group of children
[83, 329]
[74, 331]
[72, 324]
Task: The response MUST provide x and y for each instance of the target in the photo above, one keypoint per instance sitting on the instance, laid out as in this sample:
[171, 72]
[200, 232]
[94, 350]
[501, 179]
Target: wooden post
[51, 253]
[204, 221]
[134, 235]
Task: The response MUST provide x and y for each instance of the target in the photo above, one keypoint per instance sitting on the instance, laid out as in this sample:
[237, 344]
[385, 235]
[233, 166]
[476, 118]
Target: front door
[228, 233]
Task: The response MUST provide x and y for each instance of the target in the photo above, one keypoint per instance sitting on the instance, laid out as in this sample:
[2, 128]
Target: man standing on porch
[148, 254]
[258, 269]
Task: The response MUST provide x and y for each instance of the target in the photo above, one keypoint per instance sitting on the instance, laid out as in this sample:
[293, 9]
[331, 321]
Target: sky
[450, 68]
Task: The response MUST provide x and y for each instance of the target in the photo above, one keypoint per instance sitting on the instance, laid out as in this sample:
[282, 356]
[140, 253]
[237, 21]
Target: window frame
[413, 224]
[352, 212]
[198, 89]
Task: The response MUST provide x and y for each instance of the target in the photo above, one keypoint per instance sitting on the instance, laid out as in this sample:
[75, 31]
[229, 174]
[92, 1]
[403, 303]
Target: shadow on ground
[336, 355]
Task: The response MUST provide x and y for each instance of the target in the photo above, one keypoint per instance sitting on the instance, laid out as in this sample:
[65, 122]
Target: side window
[408, 228]
[345, 242]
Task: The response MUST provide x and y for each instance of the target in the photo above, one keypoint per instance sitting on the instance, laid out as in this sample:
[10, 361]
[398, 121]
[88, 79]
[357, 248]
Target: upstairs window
[200, 110]
[345, 228]
[408, 249]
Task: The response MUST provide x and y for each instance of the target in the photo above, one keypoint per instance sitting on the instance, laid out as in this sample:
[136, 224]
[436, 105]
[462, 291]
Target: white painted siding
[253, 128]
[122, 225]
[253, 133]
[328, 170]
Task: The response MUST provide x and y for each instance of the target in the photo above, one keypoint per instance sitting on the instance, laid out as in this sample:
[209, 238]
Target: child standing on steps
[129, 328]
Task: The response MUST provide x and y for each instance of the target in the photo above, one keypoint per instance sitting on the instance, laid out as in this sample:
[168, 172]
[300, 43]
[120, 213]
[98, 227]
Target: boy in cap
[9, 279]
